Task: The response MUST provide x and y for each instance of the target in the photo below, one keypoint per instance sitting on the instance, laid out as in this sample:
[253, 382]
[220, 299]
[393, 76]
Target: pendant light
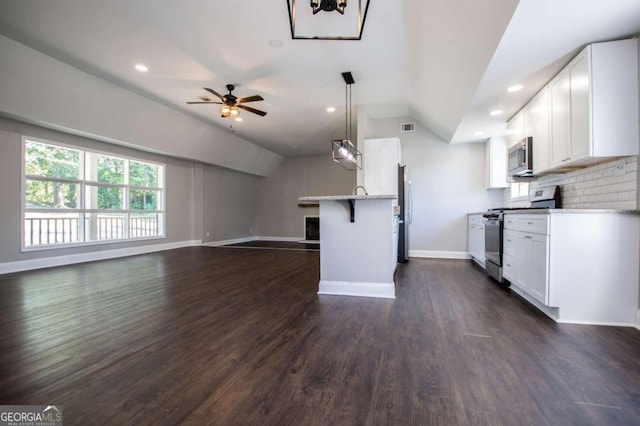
[343, 151]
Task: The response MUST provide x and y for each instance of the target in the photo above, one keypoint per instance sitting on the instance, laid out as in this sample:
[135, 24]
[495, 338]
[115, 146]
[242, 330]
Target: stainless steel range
[544, 198]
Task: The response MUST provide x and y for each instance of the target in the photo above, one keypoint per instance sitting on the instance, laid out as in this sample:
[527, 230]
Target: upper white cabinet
[380, 161]
[537, 126]
[515, 129]
[594, 105]
[497, 162]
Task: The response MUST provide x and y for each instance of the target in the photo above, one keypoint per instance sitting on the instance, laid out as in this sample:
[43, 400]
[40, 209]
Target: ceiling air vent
[407, 127]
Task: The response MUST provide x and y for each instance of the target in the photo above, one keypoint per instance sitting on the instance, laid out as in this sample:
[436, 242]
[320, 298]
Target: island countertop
[347, 197]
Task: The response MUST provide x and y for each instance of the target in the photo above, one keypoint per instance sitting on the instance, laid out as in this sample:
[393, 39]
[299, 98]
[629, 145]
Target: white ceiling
[444, 62]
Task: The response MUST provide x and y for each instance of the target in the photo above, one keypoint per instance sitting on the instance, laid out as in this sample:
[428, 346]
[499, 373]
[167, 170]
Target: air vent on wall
[407, 127]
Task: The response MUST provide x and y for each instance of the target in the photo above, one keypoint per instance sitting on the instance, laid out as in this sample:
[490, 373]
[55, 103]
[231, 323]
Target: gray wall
[197, 196]
[278, 214]
[229, 204]
[448, 182]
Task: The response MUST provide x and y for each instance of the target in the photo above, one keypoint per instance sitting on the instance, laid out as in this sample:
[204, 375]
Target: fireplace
[312, 228]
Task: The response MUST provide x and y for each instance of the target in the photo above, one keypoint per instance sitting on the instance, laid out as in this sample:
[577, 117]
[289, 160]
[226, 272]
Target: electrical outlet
[619, 170]
[250, 231]
[207, 234]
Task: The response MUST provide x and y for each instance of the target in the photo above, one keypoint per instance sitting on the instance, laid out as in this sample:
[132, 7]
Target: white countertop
[347, 197]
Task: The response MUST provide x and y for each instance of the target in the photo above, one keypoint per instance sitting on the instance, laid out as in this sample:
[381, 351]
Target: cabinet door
[559, 90]
[523, 261]
[515, 129]
[538, 278]
[579, 108]
[540, 131]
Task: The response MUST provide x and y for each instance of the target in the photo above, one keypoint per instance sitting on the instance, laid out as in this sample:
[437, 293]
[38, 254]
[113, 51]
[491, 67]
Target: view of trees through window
[74, 196]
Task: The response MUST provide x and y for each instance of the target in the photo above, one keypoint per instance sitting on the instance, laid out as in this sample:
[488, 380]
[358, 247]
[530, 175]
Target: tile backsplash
[610, 185]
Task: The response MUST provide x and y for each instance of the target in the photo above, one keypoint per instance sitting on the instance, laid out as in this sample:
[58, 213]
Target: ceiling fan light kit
[230, 103]
[307, 23]
[343, 151]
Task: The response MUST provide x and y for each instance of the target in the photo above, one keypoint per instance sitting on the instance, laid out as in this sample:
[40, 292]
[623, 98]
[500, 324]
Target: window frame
[520, 196]
[82, 183]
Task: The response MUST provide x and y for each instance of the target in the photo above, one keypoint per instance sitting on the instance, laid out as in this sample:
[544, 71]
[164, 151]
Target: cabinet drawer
[510, 242]
[509, 267]
[536, 224]
[475, 220]
[510, 221]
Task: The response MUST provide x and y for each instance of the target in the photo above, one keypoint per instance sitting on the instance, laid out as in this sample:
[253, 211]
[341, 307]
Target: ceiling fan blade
[253, 110]
[208, 102]
[213, 92]
[253, 98]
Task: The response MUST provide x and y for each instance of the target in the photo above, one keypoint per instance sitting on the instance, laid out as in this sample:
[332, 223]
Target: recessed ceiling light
[515, 88]
[141, 67]
[238, 118]
[275, 43]
[331, 109]
[479, 133]
[496, 112]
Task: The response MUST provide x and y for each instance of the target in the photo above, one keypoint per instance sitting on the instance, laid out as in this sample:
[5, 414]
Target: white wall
[38, 89]
[448, 183]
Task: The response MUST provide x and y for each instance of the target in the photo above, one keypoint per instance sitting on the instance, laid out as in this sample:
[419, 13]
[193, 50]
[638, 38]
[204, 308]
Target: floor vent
[407, 127]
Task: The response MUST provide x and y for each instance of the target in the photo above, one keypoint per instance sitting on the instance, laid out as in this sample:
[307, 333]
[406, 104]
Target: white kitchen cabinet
[576, 266]
[476, 239]
[537, 122]
[594, 105]
[496, 162]
[532, 267]
[380, 161]
[515, 129]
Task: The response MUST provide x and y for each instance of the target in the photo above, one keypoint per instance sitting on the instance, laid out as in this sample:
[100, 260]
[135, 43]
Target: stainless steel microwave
[521, 158]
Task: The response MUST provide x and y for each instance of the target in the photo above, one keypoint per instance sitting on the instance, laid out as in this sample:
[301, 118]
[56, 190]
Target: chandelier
[343, 151]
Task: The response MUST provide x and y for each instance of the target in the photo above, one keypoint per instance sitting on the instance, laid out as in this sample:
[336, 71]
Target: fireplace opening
[312, 228]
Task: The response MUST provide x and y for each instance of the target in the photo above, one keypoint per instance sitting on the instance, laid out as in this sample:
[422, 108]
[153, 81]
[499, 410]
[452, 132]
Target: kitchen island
[358, 244]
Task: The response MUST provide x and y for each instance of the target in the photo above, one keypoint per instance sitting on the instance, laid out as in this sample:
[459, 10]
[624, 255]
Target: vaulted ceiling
[444, 63]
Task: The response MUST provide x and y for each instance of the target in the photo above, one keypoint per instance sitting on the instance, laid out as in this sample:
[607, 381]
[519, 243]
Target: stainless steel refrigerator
[405, 201]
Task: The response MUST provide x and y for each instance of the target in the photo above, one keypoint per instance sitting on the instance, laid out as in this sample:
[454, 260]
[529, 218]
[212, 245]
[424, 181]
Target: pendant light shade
[343, 151]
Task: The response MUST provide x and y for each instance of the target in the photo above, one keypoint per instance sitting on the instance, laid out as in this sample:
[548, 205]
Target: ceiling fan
[230, 103]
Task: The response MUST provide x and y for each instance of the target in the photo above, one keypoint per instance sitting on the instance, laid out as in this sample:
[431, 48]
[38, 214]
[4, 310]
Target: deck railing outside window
[75, 196]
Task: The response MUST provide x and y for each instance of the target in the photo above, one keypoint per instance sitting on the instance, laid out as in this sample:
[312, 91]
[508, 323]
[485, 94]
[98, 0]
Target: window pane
[104, 226]
[51, 228]
[144, 225]
[144, 200]
[143, 174]
[51, 195]
[51, 161]
[103, 197]
[105, 169]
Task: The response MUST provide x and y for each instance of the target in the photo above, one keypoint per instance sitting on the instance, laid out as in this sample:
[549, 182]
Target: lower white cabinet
[577, 267]
[476, 238]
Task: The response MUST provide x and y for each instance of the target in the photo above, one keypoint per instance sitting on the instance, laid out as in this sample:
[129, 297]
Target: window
[519, 190]
[74, 196]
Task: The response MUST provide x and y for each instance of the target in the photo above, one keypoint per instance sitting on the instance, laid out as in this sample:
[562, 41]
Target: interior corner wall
[448, 182]
[178, 195]
[278, 213]
[229, 204]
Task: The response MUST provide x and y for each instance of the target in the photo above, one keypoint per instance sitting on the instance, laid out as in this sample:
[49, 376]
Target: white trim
[279, 238]
[638, 320]
[440, 254]
[345, 288]
[227, 242]
[26, 265]
[309, 242]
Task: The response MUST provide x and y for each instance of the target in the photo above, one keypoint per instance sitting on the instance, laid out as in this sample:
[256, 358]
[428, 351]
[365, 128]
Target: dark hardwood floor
[227, 336]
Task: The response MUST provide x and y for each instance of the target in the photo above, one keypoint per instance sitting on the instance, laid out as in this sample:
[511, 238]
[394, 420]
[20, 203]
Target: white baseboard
[638, 320]
[344, 288]
[48, 262]
[261, 238]
[227, 242]
[439, 254]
